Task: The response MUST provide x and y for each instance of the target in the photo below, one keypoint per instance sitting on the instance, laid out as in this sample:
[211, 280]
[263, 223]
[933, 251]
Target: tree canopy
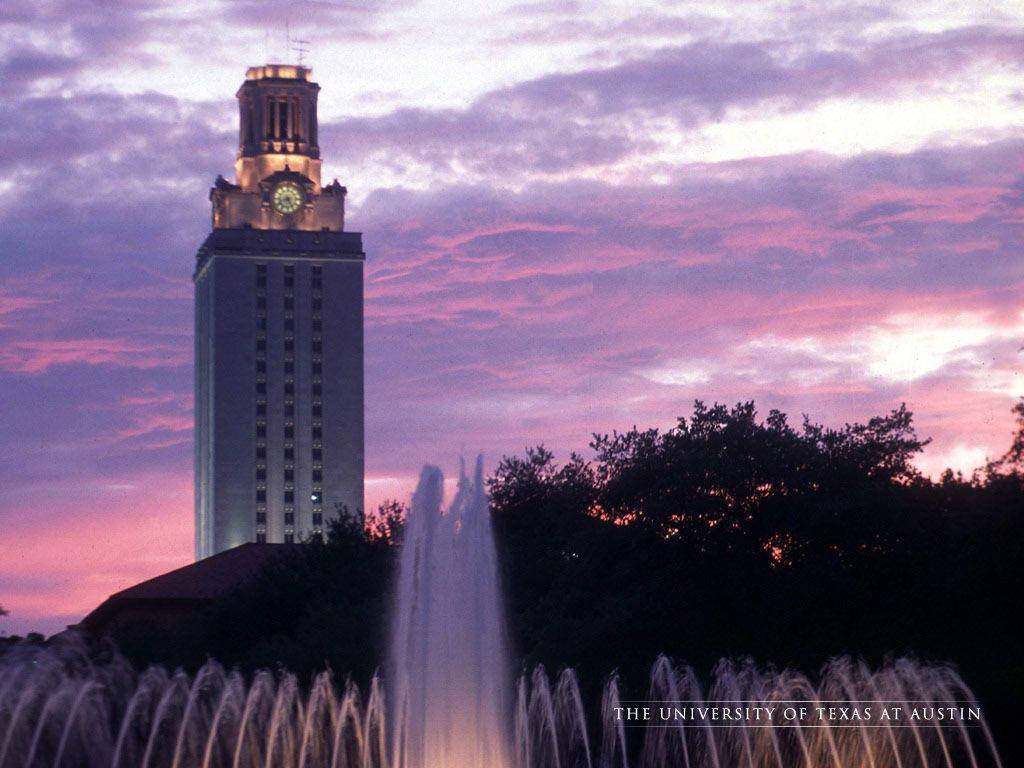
[727, 535]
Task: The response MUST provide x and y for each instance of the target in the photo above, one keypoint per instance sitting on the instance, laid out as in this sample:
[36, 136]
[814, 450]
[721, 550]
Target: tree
[319, 605]
[732, 535]
[1012, 462]
[388, 522]
[726, 481]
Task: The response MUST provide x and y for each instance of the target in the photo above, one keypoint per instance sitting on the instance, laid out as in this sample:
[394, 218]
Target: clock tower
[278, 331]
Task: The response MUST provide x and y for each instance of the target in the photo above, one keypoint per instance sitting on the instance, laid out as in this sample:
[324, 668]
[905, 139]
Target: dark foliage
[725, 536]
[732, 536]
[318, 605]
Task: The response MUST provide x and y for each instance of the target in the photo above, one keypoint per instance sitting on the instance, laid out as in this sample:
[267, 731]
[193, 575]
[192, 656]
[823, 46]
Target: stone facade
[279, 333]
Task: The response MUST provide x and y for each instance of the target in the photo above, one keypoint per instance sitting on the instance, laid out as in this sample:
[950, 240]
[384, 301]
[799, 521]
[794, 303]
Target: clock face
[287, 197]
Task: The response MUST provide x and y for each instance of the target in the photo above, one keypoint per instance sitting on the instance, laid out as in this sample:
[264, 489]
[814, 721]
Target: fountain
[452, 704]
[449, 680]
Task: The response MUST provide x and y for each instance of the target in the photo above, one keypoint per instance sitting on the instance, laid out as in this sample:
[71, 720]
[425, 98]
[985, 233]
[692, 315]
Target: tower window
[261, 538]
[261, 409]
[318, 367]
[289, 302]
[261, 518]
[317, 283]
[261, 451]
[289, 497]
[289, 410]
[249, 128]
[318, 411]
[289, 454]
[289, 387]
[261, 302]
[261, 473]
[289, 475]
[318, 347]
[318, 454]
[289, 324]
[261, 387]
[318, 475]
[261, 366]
[277, 116]
[261, 430]
[289, 345]
[289, 518]
[261, 345]
[318, 518]
[289, 366]
[317, 304]
[289, 538]
[289, 432]
[289, 281]
[318, 325]
[261, 498]
[318, 389]
[318, 433]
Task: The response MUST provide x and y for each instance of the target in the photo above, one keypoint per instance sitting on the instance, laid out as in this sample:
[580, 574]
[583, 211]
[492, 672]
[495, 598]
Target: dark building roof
[198, 583]
[286, 243]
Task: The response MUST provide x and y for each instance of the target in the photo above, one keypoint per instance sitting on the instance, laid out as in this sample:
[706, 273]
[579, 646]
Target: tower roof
[279, 72]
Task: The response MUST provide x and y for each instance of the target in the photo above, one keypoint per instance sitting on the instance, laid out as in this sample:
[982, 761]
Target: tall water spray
[448, 673]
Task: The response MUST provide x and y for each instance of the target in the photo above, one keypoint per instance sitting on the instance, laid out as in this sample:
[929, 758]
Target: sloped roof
[204, 580]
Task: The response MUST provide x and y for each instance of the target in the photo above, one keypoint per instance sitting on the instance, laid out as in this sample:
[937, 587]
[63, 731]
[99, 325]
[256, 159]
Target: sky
[579, 217]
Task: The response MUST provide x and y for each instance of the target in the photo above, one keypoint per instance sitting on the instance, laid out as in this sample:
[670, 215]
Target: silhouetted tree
[726, 535]
[1012, 462]
[730, 535]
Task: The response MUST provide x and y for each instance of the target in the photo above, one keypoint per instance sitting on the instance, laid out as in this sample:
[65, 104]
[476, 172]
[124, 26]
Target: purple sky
[579, 217]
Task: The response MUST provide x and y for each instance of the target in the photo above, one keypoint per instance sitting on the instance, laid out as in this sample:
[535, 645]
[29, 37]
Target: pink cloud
[38, 356]
[511, 227]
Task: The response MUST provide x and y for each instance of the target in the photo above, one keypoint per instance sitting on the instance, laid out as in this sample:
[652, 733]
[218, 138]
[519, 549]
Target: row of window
[317, 473]
[316, 391]
[316, 303]
[289, 455]
[316, 283]
[289, 368]
[289, 403]
[289, 429]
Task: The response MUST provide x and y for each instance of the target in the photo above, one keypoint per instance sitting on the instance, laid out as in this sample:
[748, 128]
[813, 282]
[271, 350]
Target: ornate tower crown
[277, 172]
[277, 124]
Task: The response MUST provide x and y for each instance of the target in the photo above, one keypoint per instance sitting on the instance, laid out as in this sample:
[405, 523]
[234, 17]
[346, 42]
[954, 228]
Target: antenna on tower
[301, 48]
[298, 47]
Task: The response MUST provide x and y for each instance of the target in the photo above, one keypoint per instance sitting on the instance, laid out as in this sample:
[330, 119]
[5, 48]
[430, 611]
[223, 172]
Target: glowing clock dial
[287, 197]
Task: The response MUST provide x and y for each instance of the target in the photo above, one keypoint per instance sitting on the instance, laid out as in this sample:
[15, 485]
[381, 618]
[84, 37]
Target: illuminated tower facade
[278, 332]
